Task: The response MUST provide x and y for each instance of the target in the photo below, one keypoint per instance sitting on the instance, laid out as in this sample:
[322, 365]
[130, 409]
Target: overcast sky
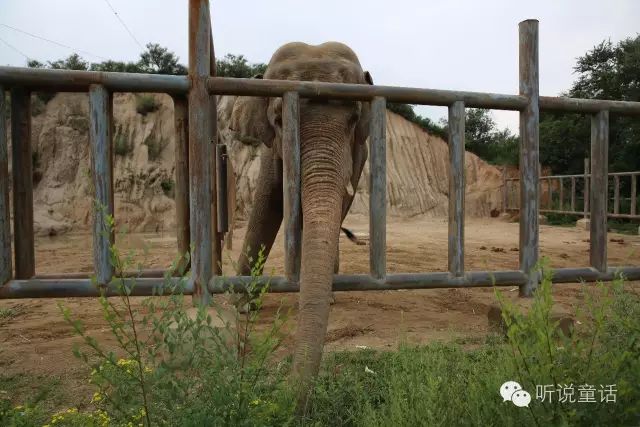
[454, 44]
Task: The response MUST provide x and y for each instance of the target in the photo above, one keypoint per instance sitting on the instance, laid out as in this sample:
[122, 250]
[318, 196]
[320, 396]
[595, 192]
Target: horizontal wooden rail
[67, 288]
[79, 81]
[362, 282]
[357, 92]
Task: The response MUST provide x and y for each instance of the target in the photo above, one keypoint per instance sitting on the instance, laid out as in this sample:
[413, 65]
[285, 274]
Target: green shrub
[168, 186]
[146, 104]
[155, 146]
[175, 369]
[37, 106]
[122, 144]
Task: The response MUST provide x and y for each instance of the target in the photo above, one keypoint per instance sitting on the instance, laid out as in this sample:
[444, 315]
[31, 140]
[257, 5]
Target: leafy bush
[177, 369]
[37, 106]
[146, 104]
[168, 186]
[122, 145]
[155, 146]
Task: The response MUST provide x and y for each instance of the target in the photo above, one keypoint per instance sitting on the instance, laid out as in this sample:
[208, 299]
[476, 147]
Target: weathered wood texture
[573, 194]
[291, 185]
[41, 79]
[529, 154]
[200, 153]
[100, 135]
[456, 188]
[363, 282]
[616, 194]
[599, 194]
[181, 118]
[6, 265]
[634, 180]
[561, 196]
[378, 189]
[22, 168]
[221, 182]
[585, 191]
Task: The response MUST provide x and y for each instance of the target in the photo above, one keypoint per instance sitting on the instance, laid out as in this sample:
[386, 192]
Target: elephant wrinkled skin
[332, 155]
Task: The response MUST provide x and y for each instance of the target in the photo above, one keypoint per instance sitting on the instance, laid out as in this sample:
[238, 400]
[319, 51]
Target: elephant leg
[266, 214]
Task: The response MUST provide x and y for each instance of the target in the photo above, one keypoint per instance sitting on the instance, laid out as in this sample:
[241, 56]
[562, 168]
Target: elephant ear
[249, 120]
[360, 153]
[361, 132]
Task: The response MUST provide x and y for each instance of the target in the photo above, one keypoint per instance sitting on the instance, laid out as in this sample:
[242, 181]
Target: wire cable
[15, 48]
[54, 42]
[124, 25]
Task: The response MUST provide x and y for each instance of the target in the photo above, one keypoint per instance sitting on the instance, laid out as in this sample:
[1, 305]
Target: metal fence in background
[200, 200]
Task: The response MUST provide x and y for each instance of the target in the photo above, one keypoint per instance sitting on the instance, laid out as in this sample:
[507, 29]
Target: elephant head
[332, 155]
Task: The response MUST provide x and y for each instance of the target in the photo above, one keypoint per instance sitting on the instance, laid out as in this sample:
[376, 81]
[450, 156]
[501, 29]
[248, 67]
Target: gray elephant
[332, 155]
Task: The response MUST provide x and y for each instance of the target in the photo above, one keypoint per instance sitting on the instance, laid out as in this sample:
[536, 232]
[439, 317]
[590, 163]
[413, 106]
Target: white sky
[454, 44]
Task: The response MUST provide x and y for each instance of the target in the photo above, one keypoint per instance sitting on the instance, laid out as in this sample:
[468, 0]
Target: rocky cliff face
[144, 145]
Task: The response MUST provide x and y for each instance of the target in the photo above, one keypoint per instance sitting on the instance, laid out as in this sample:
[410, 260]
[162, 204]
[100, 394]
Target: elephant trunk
[323, 186]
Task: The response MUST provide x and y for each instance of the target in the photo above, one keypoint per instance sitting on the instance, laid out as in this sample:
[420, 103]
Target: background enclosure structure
[201, 203]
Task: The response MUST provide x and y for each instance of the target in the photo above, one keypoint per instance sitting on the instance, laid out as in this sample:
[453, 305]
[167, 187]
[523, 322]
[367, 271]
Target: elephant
[333, 152]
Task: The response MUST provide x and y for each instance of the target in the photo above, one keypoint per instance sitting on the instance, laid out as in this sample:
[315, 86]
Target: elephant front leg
[266, 214]
[264, 221]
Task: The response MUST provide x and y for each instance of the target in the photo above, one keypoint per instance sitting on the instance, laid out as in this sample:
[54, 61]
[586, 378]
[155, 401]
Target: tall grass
[173, 366]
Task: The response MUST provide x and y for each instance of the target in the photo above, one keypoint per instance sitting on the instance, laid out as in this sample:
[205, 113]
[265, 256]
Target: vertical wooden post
[616, 194]
[291, 185]
[529, 154]
[633, 194]
[201, 119]
[456, 188]
[231, 198]
[505, 194]
[181, 118]
[550, 193]
[100, 135]
[221, 182]
[6, 268]
[599, 181]
[22, 168]
[585, 191]
[561, 194]
[378, 189]
[573, 194]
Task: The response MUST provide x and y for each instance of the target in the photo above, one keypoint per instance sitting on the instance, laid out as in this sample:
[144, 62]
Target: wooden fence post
[291, 183]
[585, 191]
[200, 152]
[529, 154]
[456, 188]
[599, 182]
[100, 136]
[6, 268]
[378, 189]
[22, 168]
[181, 118]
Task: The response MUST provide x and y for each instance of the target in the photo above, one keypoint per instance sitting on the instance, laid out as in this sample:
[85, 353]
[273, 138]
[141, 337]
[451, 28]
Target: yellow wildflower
[97, 397]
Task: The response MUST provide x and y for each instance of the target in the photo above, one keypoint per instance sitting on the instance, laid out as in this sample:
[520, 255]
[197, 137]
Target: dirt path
[35, 339]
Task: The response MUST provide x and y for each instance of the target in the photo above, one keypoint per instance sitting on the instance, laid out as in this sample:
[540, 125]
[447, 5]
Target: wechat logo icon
[512, 391]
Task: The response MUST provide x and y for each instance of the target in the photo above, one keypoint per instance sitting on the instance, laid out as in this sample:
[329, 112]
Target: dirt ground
[35, 340]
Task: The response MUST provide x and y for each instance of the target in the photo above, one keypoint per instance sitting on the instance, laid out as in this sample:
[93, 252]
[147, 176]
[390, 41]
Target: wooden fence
[199, 198]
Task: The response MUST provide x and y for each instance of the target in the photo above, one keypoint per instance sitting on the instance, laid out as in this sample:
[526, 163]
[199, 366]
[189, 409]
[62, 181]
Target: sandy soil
[36, 340]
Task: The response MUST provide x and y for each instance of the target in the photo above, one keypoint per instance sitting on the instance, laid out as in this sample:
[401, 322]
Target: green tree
[608, 71]
[238, 66]
[72, 62]
[159, 60]
[406, 111]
